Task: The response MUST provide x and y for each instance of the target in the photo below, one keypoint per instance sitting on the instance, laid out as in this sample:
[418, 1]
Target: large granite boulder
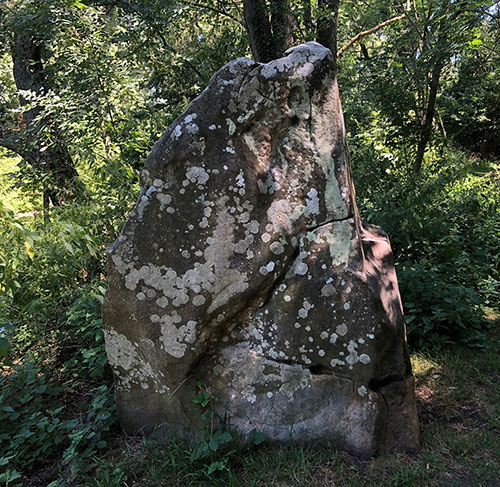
[243, 265]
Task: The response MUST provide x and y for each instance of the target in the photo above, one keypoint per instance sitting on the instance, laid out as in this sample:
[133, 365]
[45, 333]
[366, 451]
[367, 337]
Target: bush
[56, 404]
[28, 434]
[444, 226]
[42, 263]
[41, 420]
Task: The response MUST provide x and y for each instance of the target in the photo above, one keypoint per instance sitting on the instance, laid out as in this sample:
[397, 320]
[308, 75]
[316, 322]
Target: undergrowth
[56, 401]
[444, 226]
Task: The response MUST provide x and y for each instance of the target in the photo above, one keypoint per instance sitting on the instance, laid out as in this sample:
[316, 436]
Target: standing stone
[243, 265]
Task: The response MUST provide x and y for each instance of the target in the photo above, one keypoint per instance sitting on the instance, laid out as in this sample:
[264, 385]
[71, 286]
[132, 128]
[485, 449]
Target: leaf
[19, 226]
[29, 249]
[203, 398]
[12, 475]
[256, 437]
[216, 466]
[213, 444]
[40, 389]
[199, 451]
[223, 437]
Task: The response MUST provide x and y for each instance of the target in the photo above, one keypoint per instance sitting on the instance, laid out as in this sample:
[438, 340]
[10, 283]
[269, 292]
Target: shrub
[444, 226]
[41, 421]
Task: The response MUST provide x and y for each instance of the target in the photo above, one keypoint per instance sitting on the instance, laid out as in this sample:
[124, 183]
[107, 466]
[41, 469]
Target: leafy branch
[367, 32]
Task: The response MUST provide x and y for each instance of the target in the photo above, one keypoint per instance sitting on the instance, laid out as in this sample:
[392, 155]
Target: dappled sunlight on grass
[423, 365]
[12, 196]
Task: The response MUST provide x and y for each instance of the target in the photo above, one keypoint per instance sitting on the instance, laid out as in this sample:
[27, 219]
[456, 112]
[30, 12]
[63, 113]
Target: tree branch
[10, 141]
[364, 33]
[216, 10]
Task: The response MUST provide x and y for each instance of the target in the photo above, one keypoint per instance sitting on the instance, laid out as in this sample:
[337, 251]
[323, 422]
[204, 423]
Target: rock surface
[243, 265]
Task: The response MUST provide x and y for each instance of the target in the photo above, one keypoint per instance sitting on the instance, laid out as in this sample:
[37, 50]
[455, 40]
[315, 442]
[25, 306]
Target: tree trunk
[282, 25]
[327, 24]
[426, 124]
[56, 160]
[259, 30]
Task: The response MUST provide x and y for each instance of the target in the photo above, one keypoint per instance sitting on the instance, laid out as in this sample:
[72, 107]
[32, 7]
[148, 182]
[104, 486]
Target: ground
[458, 394]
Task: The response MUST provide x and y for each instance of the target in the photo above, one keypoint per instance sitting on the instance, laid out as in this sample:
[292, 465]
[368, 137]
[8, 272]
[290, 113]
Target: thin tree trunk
[428, 118]
[364, 51]
[259, 30]
[282, 25]
[55, 160]
[327, 24]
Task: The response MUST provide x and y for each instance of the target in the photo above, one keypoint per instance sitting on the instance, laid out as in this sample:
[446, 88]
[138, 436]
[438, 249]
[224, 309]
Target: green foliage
[116, 73]
[211, 457]
[4, 342]
[471, 100]
[89, 436]
[84, 326]
[32, 424]
[445, 232]
[443, 223]
[36, 423]
[42, 260]
[39, 419]
[43, 263]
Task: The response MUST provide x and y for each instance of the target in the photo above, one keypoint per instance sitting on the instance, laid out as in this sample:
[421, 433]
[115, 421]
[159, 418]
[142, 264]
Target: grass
[458, 393]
